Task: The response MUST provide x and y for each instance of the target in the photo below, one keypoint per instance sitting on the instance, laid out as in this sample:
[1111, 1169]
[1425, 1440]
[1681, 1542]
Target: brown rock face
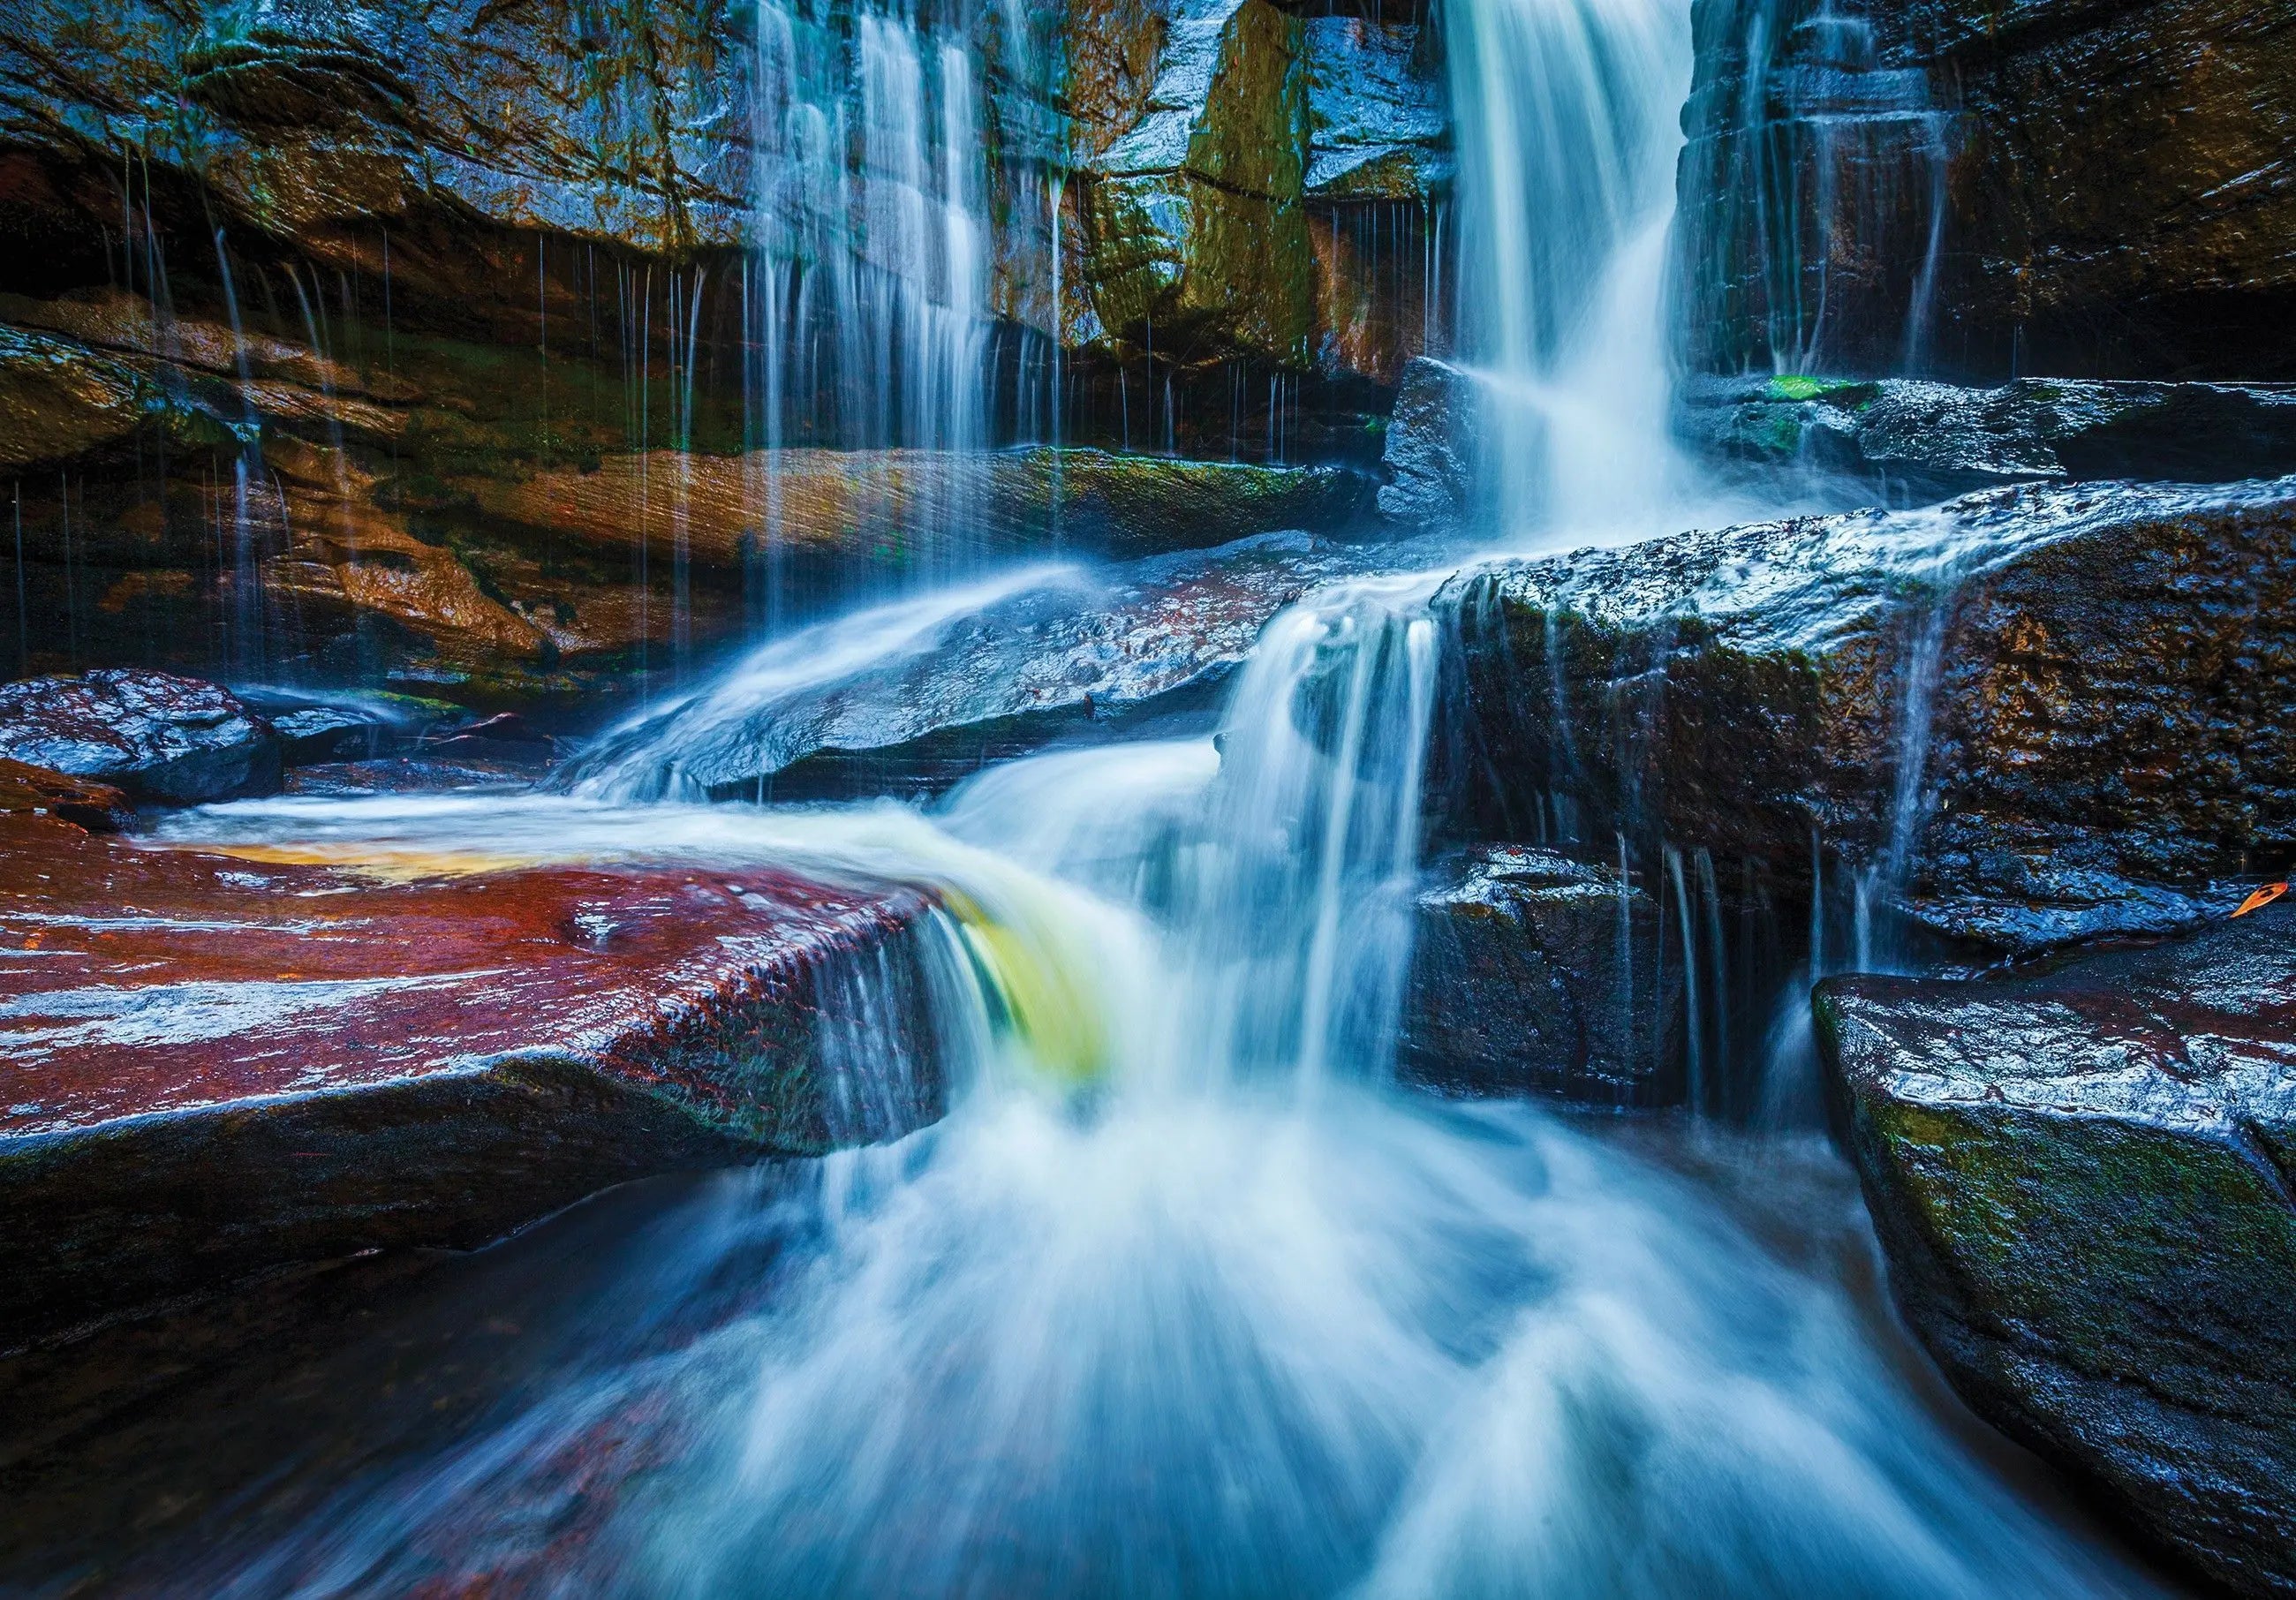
[2038, 715]
[28, 791]
[216, 1066]
[2062, 186]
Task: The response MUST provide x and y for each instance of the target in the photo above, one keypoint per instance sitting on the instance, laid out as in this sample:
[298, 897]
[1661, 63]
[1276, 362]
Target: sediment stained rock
[211, 1066]
[2082, 1181]
[719, 509]
[2034, 715]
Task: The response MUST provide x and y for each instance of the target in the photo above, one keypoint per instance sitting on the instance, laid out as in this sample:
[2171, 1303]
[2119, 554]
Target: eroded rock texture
[2028, 717]
[2055, 186]
[1533, 972]
[214, 1066]
[2082, 1183]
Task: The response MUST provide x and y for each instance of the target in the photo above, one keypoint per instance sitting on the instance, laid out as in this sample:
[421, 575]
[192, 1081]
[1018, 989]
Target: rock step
[214, 1066]
[2082, 1183]
[1535, 973]
[2056, 708]
[1922, 439]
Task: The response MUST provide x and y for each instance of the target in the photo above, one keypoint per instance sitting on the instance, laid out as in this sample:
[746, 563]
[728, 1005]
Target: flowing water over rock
[1185, 1295]
[1182, 1298]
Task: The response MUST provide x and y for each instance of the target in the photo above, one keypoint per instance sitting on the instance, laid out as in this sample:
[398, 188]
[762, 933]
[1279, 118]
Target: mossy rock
[2081, 1183]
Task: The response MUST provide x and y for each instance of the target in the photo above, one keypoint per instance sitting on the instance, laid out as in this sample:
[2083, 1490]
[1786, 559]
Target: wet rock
[1196, 226]
[412, 774]
[1430, 452]
[217, 1066]
[2028, 717]
[1984, 189]
[174, 740]
[314, 728]
[1378, 124]
[1534, 973]
[910, 697]
[847, 501]
[1927, 440]
[27, 790]
[2081, 1180]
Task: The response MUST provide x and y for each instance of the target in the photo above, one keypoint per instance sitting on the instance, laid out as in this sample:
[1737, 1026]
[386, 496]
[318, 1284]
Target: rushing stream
[1184, 1297]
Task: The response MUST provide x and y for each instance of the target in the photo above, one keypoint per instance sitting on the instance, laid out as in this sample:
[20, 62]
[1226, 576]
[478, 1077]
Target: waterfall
[1566, 114]
[1815, 199]
[874, 198]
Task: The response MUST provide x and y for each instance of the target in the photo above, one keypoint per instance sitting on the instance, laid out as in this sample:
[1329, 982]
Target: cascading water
[1565, 114]
[1180, 1300]
[1183, 1298]
[867, 292]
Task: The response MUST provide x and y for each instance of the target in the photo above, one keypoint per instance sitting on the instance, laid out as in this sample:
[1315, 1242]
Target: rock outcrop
[1533, 972]
[220, 1065]
[1989, 190]
[945, 505]
[174, 740]
[1430, 457]
[914, 696]
[2082, 1182]
[1923, 441]
[1223, 149]
[2028, 717]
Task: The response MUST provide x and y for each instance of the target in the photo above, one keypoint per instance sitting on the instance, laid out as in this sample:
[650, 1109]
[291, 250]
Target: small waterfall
[1566, 118]
[874, 200]
[1814, 197]
[1301, 913]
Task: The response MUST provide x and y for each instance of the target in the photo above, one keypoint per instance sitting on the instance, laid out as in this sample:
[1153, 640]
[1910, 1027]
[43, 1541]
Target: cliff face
[300, 297]
[2066, 187]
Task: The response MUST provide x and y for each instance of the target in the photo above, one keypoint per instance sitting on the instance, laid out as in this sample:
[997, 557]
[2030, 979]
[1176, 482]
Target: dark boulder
[2082, 1182]
[2025, 717]
[1921, 441]
[178, 741]
[1535, 973]
[1431, 454]
[219, 1065]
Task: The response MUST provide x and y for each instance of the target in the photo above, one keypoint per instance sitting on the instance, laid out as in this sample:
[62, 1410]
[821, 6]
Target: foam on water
[1222, 1313]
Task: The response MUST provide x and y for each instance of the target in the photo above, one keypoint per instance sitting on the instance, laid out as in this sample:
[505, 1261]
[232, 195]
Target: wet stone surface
[211, 1066]
[1921, 441]
[2082, 1181]
[1533, 972]
[160, 737]
[2030, 716]
[913, 697]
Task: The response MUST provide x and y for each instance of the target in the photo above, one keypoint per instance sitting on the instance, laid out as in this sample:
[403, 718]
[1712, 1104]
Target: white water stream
[1184, 1298]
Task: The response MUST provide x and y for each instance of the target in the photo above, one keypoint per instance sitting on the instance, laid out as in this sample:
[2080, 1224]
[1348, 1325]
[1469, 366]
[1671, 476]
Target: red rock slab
[210, 1066]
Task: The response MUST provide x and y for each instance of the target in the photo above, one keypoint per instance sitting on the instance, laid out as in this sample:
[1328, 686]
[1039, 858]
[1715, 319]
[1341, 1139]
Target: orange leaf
[2262, 897]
